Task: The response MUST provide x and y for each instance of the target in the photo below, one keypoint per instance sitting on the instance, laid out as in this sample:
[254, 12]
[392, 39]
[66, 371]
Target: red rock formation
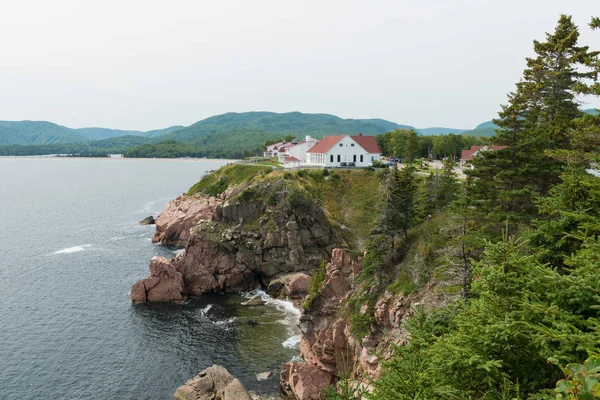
[165, 283]
[180, 215]
[297, 286]
[214, 383]
[304, 381]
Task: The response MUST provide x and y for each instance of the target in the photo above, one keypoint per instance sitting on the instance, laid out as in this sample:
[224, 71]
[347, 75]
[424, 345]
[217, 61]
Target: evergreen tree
[538, 120]
[406, 198]
[448, 184]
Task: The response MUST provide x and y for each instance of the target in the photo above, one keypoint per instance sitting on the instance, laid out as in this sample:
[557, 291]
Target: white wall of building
[345, 151]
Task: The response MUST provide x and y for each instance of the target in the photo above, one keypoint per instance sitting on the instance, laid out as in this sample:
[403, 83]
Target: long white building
[344, 151]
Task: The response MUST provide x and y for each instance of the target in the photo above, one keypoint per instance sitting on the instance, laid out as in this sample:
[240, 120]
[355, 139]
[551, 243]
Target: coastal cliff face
[330, 350]
[275, 233]
[258, 236]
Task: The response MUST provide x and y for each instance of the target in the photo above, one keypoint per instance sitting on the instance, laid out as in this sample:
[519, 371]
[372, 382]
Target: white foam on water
[291, 315]
[178, 252]
[292, 342]
[206, 309]
[115, 238]
[73, 249]
[225, 321]
[297, 359]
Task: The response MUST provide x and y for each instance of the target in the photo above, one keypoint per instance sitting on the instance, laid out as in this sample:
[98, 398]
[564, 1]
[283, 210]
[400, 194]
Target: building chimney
[359, 133]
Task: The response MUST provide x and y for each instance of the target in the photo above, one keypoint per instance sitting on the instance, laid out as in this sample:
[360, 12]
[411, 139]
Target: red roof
[467, 155]
[325, 144]
[368, 143]
[287, 159]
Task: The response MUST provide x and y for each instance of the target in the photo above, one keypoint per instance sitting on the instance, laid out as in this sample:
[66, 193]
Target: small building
[468, 155]
[294, 148]
[344, 151]
[299, 149]
[291, 162]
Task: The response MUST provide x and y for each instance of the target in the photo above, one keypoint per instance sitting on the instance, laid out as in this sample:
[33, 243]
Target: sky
[145, 64]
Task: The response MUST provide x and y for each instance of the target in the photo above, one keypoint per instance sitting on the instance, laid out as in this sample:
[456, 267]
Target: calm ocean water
[70, 249]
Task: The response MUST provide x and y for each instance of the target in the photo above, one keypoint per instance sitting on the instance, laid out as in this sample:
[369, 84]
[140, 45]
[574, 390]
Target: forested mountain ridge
[36, 132]
[43, 132]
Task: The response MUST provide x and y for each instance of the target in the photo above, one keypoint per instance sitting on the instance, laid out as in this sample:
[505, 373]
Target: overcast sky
[143, 64]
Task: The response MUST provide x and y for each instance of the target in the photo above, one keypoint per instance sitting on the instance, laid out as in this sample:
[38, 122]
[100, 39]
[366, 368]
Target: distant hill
[160, 132]
[36, 132]
[292, 123]
[440, 131]
[104, 133]
[591, 111]
[42, 132]
[485, 129]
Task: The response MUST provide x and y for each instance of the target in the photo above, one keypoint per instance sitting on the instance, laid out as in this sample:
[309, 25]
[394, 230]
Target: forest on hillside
[525, 250]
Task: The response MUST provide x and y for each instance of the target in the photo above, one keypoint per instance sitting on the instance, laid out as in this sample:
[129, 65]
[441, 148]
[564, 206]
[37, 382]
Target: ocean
[70, 249]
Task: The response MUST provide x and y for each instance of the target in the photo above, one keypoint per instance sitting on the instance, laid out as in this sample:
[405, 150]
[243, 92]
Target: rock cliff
[268, 235]
[329, 349]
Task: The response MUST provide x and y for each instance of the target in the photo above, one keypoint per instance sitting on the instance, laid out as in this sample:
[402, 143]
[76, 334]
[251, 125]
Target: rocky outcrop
[165, 283]
[147, 221]
[294, 285]
[328, 347]
[326, 344]
[180, 215]
[214, 383]
[276, 242]
[304, 381]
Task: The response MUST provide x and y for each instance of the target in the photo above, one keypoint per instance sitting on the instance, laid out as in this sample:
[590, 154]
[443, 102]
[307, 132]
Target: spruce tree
[538, 120]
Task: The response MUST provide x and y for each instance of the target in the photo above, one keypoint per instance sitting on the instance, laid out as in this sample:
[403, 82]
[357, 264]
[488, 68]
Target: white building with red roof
[344, 151]
[468, 155]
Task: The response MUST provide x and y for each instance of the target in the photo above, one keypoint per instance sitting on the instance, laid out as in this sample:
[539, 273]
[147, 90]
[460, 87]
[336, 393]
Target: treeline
[396, 143]
[75, 149]
[172, 149]
[95, 148]
[524, 248]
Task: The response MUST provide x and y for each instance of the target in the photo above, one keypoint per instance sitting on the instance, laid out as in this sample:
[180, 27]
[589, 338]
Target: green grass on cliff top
[217, 182]
[350, 198]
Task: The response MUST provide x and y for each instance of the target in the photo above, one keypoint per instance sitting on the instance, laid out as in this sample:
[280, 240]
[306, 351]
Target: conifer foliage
[528, 325]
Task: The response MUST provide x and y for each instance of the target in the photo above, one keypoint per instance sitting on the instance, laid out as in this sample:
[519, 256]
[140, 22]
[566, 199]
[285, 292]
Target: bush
[316, 284]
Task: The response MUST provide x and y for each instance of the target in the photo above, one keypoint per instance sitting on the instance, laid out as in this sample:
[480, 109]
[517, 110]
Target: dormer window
[341, 145]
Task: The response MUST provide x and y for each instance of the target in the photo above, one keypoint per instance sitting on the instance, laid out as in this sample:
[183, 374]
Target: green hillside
[36, 132]
[160, 132]
[106, 133]
[293, 123]
[440, 131]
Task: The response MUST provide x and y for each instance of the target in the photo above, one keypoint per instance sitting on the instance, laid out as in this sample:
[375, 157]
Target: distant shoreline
[123, 158]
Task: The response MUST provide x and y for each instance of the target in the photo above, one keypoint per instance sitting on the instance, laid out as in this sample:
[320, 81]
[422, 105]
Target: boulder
[214, 383]
[147, 221]
[263, 376]
[297, 286]
[165, 283]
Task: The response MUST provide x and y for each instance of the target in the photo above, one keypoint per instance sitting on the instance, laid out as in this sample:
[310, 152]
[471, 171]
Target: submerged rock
[263, 376]
[148, 221]
[214, 383]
